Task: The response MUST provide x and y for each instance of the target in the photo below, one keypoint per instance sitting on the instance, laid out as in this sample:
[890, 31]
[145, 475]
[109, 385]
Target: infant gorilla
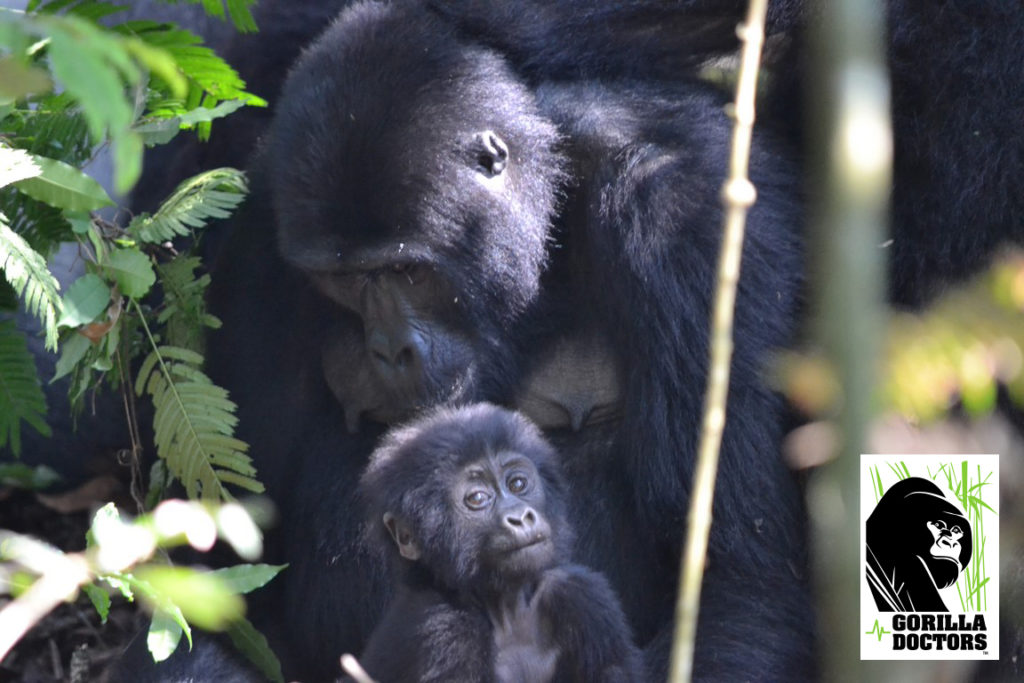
[469, 506]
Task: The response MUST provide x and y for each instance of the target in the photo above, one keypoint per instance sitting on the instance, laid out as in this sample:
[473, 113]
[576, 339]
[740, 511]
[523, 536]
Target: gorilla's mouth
[538, 540]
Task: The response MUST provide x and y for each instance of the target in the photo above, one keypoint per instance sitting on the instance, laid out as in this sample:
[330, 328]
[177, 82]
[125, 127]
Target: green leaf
[18, 79]
[127, 148]
[72, 351]
[207, 114]
[160, 63]
[120, 584]
[92, 65]
[210, 195]
[164, 633]
[131, 270]
[22, 476]
[100, 600]
[21, 395]
[203, 598]
[254, 646]
[209, 73]
[184, 313]
[15, 165]
[245, 578]
[194, 425]
[64, 186]
[27, 272]
[85, 300]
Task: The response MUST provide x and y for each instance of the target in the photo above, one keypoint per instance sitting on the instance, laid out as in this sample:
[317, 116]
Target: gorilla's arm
[424, 637]
[588, 626]
[646, 247]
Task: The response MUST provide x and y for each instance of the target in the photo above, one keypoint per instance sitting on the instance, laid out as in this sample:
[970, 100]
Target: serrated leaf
[21, 395]
[100, 599]
[64, 186]
[131, 270]
[255, 648]
[85, 300]
[16, 165]
[245, 578]
[164, 634]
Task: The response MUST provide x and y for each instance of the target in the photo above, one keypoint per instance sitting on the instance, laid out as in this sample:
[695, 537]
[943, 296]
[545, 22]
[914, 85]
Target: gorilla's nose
[396, 354]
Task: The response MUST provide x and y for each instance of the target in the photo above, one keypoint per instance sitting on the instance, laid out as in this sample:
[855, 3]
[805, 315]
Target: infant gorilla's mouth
[535, 541]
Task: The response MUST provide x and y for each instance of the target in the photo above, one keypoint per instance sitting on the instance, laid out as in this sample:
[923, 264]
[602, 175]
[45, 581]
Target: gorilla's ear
[407, 545]
[491, 153]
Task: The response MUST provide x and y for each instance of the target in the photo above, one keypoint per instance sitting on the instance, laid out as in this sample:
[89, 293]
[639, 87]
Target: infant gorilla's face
[946, 539]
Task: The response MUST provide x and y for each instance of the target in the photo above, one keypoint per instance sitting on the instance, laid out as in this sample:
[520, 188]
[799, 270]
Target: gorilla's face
[946, 539]
[416, 195]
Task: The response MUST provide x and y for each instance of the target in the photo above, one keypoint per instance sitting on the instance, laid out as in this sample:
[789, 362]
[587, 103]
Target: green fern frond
[26, 270]
[241, 17]
[93, 10]
[210, 195]
[21, 395]
[198, 63]
[184, 313]
[194, 425]
[54, 127]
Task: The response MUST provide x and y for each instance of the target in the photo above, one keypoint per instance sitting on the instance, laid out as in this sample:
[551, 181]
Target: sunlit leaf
[85, 300]
[204, 599]
[132, 271]
[64, 186]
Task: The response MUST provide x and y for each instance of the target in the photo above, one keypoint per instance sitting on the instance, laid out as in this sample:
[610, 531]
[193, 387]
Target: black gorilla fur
[469, 507]
[957, 100]
[381, 171]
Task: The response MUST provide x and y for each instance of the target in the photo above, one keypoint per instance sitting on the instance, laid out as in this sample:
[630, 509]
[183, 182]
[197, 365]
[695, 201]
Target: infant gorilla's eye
[477, 500]
[517, 483]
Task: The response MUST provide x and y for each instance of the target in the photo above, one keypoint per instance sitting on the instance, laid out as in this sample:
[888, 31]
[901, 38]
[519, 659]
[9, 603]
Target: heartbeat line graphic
[880, 630]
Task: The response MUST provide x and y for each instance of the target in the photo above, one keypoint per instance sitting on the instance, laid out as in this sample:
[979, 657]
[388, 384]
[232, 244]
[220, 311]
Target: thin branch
[351, 666]
[738, 195]
[60, 578]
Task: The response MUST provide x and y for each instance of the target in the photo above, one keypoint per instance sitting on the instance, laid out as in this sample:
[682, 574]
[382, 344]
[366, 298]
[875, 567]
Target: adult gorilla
[392, 257]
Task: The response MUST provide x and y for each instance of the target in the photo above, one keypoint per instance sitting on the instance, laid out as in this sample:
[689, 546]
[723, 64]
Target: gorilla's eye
[477, 500]
[517, 483]
[413, 272]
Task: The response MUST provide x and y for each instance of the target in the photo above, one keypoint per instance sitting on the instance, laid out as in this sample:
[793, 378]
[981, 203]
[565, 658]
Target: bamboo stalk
[738, 195]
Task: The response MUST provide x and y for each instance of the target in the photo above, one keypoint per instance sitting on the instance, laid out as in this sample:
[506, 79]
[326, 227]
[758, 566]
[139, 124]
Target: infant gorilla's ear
[402, 535]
